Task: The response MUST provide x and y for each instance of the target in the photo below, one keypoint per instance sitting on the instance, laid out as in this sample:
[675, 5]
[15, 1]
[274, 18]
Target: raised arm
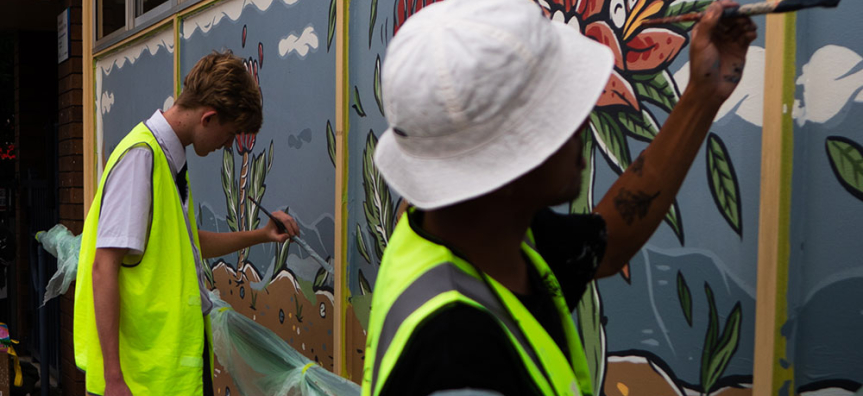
[637, 202]
[216, 244]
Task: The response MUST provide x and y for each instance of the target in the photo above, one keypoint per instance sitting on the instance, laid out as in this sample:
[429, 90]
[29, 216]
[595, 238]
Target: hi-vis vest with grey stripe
[418, 277]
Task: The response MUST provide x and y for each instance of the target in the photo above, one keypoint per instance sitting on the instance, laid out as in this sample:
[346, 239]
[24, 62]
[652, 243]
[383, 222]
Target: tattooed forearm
[736, 74]
[633, 204]
[638, 166]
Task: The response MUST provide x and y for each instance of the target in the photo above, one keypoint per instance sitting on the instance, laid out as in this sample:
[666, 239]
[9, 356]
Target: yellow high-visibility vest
[418, 278]
[161, 335]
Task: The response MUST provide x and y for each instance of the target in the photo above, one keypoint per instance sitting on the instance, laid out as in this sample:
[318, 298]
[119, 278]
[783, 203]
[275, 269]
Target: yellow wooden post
[88, 130]
[775, 207]
[341, 212]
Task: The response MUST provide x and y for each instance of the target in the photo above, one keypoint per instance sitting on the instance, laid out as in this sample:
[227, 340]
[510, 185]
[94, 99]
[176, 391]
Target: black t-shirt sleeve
[572, 246]
[460, 347]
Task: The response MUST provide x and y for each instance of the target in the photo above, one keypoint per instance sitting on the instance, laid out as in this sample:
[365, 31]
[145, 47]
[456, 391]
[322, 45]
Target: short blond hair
[219, 80]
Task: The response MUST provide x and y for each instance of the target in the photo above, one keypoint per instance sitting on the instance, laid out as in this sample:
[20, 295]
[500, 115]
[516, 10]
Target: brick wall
[71, 183]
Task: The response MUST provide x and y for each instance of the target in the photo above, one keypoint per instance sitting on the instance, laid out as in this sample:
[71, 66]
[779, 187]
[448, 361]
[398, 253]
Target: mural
[824, 354]
[131, 83]
[287, 166]
[635, 345]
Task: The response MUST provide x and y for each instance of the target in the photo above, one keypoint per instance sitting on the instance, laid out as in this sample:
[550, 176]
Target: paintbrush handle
[766, 7]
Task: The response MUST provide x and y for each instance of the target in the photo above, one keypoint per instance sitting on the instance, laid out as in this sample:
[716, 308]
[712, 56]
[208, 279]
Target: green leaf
[358, 104]
[610, 139]
[270, 157]
[681, 7]
[228, 188]
[373, 17]
[320, 278]
[331, 143]
[361, 245]
[584, 203]
[658, 89]
[846, 160]
[281, 257]
[709, 338]
[365, 288]
[672, 218]
[331, 30]
[592, 332]
[378, 204]
[685, 298]
[642, 126]
[257, 188]
[378, 91]
[723, 182]
[725, 348]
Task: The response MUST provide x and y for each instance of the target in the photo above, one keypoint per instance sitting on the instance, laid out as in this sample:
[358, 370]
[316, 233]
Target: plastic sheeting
[258, 360]
[264, 362]
[60, 242]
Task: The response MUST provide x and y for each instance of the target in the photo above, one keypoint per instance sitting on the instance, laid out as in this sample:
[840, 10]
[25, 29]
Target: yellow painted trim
[177, 83]
[197, 7]
[88, 88]
[341, 211]
[777, 144]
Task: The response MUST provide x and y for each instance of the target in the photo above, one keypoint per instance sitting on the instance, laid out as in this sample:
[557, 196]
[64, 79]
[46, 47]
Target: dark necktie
[181, 183]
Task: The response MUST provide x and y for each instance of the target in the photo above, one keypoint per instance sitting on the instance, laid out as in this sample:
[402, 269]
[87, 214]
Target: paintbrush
[297, 239]
[768, 7]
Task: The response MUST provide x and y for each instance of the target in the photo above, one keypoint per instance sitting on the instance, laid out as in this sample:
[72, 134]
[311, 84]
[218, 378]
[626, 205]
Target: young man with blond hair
[141, 305]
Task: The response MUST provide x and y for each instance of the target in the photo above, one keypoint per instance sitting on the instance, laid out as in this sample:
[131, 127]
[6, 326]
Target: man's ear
[208, 116]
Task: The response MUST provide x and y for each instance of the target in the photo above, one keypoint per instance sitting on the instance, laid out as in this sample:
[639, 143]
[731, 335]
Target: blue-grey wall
[825, 290]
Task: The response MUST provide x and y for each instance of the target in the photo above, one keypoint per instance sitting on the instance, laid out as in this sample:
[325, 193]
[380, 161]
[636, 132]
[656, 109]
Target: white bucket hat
[480, 92]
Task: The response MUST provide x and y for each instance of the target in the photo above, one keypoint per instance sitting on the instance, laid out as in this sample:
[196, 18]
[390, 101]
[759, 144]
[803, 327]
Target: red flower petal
[567, 4]
[405, 8]
[618, 91]
[601, 32]
[589, 8]
[653, 48]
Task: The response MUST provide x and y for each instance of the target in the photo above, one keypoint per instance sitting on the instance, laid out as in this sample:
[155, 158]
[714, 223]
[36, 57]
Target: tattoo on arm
[713, 69]
[736, 75]
[633, 204]
[638, 166]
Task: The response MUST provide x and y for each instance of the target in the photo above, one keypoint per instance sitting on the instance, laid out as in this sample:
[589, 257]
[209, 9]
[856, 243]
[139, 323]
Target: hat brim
[561, 102]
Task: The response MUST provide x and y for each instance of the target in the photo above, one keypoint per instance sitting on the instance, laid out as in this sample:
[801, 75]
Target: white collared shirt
[125, 210]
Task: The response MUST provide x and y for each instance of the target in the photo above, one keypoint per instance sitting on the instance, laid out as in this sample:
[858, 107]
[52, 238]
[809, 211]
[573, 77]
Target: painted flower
[619, 25]
[246, 141]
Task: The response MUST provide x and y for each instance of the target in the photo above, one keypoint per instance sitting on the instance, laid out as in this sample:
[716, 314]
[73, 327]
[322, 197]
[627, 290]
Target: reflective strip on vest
[443, 278]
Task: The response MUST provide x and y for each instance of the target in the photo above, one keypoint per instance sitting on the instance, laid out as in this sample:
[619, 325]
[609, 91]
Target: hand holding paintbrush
[769, 7]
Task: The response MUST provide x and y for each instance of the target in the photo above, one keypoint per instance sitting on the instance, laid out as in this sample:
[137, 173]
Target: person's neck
[182, 121]
[489, 231]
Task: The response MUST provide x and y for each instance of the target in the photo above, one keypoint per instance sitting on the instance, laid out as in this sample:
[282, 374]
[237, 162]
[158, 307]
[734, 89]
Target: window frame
[135, 24]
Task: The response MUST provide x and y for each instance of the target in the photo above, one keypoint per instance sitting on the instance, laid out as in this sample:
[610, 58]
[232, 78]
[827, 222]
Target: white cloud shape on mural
[106, 102]
[211, 17]
[833, 75]
[747, 101]
[306, 42]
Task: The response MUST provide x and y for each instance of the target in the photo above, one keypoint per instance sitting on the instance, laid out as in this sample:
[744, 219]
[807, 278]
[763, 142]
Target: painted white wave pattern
[747, 101]
[232, 9]
[832, 77]
[307, 41]
[104, 67]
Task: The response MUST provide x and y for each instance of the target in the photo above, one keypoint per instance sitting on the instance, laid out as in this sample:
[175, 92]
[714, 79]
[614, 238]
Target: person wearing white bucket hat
[487, 101]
